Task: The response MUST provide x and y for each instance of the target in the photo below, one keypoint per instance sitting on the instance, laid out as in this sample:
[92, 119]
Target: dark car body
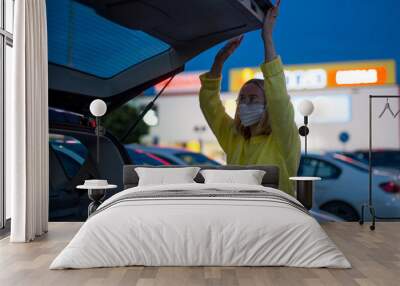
[114, 50]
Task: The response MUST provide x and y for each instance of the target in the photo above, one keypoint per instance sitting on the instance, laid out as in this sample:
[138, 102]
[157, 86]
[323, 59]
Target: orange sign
[358, 76]
[319, 76]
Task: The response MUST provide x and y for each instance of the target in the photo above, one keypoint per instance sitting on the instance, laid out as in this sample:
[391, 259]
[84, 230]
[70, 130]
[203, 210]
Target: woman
[263, 131]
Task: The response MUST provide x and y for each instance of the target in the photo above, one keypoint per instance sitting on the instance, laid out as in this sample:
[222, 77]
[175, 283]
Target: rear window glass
[389, 159]
[80, 39]
[310, 167]
[70, 152]
[71, 166]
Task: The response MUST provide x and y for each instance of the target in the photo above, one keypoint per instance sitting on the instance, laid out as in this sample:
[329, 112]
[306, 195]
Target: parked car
[72, 159]
[344, 186]
[176, 156]
[140, 157]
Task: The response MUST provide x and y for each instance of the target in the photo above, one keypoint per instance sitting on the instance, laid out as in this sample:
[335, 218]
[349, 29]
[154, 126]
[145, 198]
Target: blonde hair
[263, 127]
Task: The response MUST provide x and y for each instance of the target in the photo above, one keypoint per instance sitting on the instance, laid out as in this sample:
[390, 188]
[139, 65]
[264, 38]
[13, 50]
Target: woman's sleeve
[210, 103]
[280, 108]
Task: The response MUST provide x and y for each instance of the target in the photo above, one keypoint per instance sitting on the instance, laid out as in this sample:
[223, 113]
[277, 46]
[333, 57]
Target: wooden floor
[375, 257]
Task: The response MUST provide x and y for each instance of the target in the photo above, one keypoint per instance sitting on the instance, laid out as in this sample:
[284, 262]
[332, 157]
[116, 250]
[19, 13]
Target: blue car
[176, 156]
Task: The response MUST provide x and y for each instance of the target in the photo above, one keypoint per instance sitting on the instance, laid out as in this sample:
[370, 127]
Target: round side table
[96, 194]
[305, 190]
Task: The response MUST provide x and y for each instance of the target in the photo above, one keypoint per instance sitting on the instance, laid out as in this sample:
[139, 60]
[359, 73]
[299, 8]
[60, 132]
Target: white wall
[386, 131]
[179, 114]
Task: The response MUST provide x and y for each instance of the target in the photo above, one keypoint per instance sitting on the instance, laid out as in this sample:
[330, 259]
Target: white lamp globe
[98, 107]
[151, 118]
[306, 107]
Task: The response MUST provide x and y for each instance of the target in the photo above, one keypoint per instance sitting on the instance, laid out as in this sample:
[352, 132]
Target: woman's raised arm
[222, 55]
[268, 28]
[210, 103]
[280, 108]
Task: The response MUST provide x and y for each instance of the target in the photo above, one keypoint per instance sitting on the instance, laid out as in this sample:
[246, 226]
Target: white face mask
[250, 114]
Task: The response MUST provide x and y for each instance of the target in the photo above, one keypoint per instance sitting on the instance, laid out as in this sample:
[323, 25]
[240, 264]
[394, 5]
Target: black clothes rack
[370, 205]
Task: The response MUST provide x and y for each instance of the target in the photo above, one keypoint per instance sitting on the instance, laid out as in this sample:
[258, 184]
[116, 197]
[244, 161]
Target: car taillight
[390, 187]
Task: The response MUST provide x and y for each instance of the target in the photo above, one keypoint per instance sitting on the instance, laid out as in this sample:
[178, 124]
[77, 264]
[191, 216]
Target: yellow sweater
[280, 148]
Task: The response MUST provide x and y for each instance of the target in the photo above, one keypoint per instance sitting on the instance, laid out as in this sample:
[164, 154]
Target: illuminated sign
[306, 79]
[359, 76]
[187, 82]
[319, 76]
[303, 79]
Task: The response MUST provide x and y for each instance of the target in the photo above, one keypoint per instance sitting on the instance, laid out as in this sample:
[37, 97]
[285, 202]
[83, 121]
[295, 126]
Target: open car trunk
[115, 49]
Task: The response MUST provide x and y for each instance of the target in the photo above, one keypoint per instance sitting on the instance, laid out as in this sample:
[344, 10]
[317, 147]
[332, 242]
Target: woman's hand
[268, 28]
[222, 55]
[269, 21]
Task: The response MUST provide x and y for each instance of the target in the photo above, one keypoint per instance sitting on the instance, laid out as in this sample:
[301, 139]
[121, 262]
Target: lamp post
[305, 185]
[98, 108]
[306, 108]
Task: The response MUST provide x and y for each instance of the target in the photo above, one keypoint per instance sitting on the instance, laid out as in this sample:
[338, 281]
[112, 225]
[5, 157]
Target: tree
[119, 120]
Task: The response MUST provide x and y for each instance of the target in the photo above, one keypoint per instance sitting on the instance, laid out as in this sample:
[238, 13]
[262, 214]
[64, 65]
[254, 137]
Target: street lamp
[305, 185]
[306, 108]
[98, 108]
